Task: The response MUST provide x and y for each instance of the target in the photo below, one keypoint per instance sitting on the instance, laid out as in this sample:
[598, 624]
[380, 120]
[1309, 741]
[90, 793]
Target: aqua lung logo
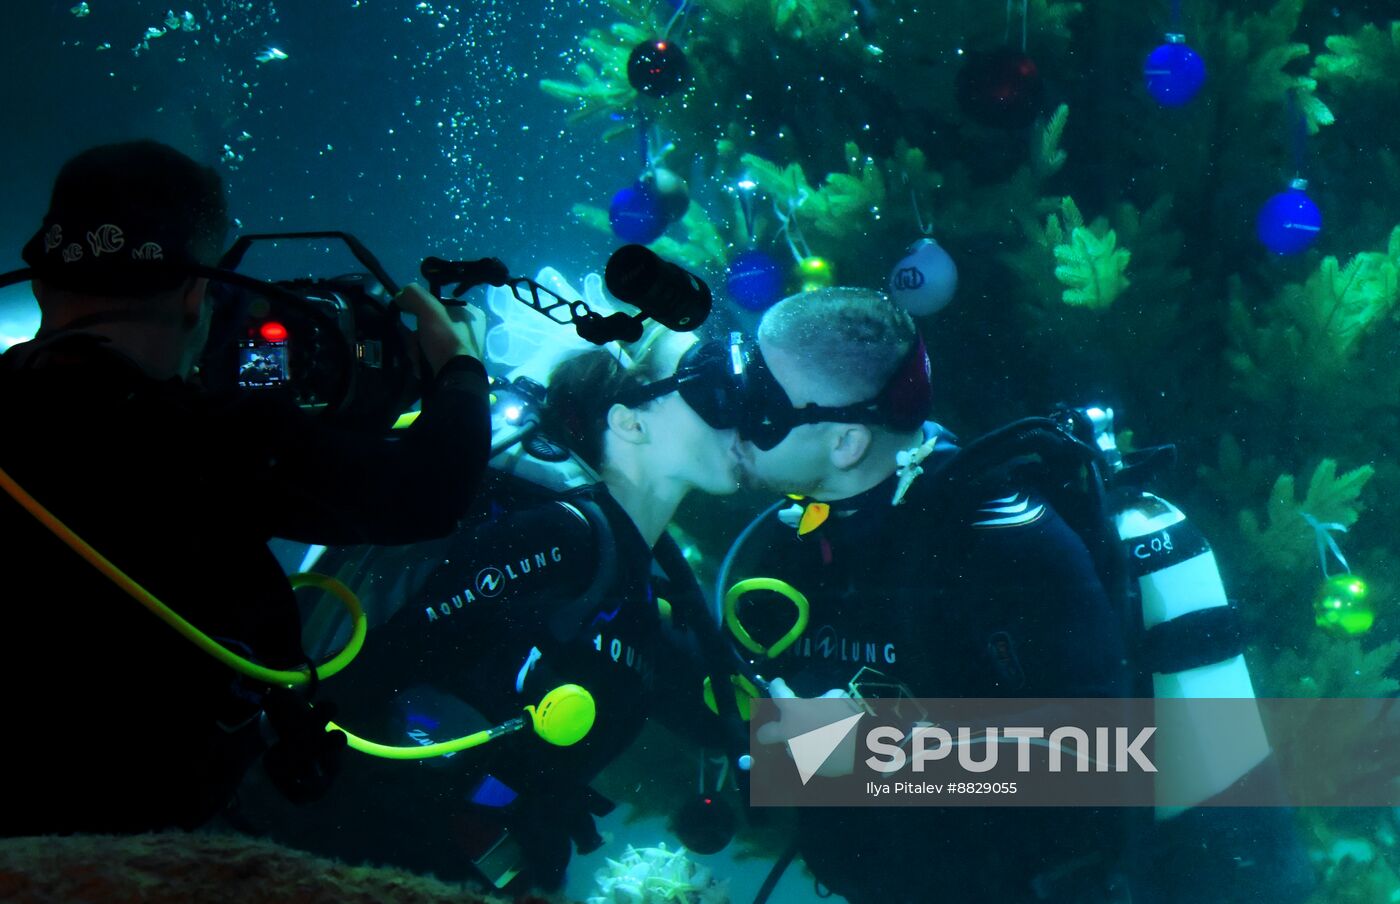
[829, 645]
[908, 278]
[491, 581]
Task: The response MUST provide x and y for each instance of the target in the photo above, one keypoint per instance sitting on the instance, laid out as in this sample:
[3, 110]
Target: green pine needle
[1092, 269]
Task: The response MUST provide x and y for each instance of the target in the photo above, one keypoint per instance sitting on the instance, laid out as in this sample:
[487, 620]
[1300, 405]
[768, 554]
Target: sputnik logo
[812, 749]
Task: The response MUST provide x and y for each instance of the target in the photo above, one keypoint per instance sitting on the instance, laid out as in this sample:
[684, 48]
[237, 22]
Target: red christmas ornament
[1000, 88]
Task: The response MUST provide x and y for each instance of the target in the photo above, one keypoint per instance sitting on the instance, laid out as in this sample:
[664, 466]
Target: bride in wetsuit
[526, 597]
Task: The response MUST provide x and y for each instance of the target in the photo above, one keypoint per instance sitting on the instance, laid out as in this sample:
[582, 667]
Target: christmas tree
[1110, 220]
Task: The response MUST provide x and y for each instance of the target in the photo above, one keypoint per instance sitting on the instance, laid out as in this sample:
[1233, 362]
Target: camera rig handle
[589, 324]
[234, 255]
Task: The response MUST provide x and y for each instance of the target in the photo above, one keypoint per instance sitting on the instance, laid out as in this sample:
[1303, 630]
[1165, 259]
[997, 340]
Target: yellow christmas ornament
[815, 273]
[1342, 607]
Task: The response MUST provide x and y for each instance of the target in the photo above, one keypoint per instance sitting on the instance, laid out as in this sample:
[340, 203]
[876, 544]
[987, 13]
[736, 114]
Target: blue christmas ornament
[1174, 72]
[755, 281]
[638, 215]
[1289, 221]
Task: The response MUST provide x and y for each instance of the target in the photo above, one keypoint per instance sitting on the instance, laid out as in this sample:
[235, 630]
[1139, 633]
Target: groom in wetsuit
[913, 597]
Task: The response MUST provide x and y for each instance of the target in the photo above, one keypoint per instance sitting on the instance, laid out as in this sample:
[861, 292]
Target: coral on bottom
[173, 867]
[657, 876]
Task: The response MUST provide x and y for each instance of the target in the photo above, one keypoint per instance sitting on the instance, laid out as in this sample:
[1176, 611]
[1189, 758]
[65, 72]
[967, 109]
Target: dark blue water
[421, 128]
[418, 127]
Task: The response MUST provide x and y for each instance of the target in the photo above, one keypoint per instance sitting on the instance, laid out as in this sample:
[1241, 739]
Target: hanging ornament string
[1299, 128]
[680, 11]
[644, 138]
[1176, 15]
[924, 228]
[1025, 18]
[790, 231]
[1322, 533]
[652, 141]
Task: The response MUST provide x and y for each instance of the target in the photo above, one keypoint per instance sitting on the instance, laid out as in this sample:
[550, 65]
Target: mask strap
[652, 391]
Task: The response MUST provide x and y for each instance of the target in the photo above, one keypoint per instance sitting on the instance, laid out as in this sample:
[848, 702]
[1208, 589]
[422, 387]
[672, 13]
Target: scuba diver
[549, 585]
[933, 571]
[117, 724]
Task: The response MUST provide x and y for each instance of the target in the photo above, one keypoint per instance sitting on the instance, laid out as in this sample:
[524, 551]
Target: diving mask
[710, 380]
[731, 387]
[768, 415]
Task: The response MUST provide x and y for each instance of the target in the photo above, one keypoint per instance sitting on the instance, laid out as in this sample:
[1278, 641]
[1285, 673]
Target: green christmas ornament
[1342, 607]
[815, 273]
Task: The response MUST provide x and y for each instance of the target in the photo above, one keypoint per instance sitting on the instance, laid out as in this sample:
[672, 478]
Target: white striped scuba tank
[1192, 649]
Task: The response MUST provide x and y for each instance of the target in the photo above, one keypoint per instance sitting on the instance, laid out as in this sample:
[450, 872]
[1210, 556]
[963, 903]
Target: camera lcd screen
[262, 364]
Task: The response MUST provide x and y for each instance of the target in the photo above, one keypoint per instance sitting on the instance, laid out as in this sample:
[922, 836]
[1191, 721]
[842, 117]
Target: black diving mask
[731, 387]
[768, 415]
[709, 378]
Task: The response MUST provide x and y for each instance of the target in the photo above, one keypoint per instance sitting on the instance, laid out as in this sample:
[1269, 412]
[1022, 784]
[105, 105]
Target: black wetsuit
[533, 596]
[998, 601]
[114, 723]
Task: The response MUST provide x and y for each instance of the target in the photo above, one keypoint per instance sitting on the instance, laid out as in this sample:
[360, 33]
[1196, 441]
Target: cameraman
[114, 722]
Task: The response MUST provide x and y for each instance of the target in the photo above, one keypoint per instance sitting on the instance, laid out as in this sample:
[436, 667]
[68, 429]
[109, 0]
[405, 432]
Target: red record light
[273, 331]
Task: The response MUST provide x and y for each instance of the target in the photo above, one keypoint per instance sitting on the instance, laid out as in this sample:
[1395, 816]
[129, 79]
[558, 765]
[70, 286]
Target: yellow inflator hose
[195, 636]
[563, 718]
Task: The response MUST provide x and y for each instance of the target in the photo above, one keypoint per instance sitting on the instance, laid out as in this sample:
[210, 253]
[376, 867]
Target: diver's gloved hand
[305, 759]
[798, 716]
[440, 338]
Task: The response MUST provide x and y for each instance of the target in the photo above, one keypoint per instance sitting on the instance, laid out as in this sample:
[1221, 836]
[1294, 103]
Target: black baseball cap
[129, 219]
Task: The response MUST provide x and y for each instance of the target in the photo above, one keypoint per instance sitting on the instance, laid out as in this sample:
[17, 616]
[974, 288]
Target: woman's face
[690, 450]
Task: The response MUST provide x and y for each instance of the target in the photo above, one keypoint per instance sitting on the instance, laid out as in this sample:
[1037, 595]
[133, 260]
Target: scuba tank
[1191, 641]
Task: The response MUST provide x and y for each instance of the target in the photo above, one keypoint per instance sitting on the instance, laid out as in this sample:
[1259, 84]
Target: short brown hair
[853, 338]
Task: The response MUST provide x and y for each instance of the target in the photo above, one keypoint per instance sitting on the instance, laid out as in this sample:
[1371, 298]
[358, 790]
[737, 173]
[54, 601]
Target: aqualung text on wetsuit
[490, 582]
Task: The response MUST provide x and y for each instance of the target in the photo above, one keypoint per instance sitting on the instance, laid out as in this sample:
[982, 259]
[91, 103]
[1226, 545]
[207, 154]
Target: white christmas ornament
[925, 280]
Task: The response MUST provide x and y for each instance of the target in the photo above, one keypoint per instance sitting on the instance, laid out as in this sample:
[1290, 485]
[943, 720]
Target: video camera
[340, 347]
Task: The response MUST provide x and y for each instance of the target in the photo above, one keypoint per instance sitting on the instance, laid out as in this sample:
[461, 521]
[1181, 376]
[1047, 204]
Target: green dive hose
[260, 673]
[563, 717]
